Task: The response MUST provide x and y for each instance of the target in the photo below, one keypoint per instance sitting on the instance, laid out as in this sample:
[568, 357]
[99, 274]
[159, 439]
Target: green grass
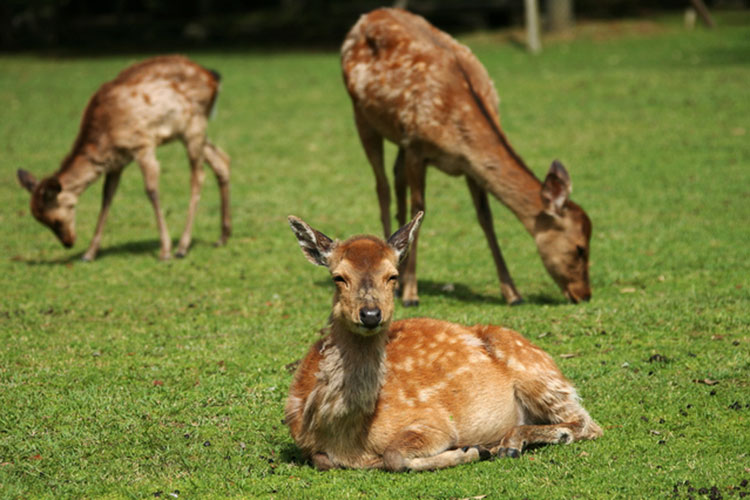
[131, 377]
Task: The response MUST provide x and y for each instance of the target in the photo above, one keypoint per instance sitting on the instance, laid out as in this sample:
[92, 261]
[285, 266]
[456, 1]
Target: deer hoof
[411, 303]
[484, 453]
[508, 452]
[86, 258]
[517, 302]
[180, 254]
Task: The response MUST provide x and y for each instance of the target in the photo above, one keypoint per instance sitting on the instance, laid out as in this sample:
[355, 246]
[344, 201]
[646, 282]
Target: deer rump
[401, 73]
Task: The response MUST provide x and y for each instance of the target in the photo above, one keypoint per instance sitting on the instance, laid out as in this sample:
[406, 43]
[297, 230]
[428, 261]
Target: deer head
[364, 270]
[52, 206]
[563, 233]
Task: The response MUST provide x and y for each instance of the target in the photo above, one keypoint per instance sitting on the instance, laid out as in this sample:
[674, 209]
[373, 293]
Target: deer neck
[353, 368]
[504, 174]
[77, 172]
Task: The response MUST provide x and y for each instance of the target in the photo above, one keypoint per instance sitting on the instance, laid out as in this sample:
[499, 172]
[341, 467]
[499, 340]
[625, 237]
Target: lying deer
[148, 104]
[420, 89]
[417, 393]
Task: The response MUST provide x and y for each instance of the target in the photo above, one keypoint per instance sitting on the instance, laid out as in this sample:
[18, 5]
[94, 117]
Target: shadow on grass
[466, 294]
[130, 248]
[290, 454]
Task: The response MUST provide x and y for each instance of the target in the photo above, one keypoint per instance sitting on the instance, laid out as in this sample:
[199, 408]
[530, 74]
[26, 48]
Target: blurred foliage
[169, 24]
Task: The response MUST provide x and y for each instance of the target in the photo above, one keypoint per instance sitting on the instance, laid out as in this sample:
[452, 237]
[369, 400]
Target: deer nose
[370, 318]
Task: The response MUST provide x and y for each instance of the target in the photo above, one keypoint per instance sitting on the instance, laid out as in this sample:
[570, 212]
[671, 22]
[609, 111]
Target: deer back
[418, 86]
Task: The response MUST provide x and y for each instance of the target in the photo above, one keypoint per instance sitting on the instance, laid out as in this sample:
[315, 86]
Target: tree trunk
[532, 26]
[559, 15]
[703, 12]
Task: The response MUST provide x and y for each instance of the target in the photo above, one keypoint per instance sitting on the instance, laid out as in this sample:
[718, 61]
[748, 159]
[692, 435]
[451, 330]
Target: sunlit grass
[133, 377]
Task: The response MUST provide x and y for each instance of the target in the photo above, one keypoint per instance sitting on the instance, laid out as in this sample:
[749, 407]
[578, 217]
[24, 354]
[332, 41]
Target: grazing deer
[417, 87]
[417, 393]
[148, 104]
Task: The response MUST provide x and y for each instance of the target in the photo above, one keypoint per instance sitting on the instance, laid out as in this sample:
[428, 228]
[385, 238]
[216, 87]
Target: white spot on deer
[471, 341]
[514, 364]
[407, 364]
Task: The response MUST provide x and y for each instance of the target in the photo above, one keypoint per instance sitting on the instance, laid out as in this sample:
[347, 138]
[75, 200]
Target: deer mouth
[66, 240]
[576, 297]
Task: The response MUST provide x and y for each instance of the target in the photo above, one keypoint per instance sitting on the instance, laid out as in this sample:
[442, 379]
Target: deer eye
[339, 279]
[393, 277]
[581, 251]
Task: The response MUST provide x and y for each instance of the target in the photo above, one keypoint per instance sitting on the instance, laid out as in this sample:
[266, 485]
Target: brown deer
[417, 393]
[417, 87]
[148, 104]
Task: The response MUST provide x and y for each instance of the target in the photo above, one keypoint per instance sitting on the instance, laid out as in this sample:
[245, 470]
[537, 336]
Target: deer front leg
[322, 462]
[146, 159]
[372, 143]
[415, 173]
[484, 215]
[219, 161]
[425, 448]
[195, 147]
[111, 181]
[399, 187]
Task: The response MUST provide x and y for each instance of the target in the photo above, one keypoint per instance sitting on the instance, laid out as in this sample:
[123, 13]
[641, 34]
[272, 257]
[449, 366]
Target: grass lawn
[131, 377]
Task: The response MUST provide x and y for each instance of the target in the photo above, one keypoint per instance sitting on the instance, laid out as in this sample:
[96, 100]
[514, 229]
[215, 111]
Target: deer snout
[370, 317]
[576, 295]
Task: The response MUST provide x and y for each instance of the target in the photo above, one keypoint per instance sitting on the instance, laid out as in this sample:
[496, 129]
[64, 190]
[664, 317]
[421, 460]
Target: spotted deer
[416, 393]
[417, 87]
[148, 104]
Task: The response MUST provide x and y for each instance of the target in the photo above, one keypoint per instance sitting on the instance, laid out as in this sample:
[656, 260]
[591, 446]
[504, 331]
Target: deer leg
[415, 175]
[520, 437]
[322, 462]
[552, 402]
[399, 181]
[219, 161]
[484, 215]
[425, 448]
[146, 159]
[195, 147]
[111, 181]
[372, 142]
[448, 458]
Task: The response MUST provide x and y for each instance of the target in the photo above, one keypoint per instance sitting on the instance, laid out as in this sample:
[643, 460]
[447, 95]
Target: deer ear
[316, 246]
[400, 241]
[51, 187]
[556, 189]
[27, 180]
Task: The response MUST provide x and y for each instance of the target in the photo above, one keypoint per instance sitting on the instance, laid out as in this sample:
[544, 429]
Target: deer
[420, 89]
[420, 393]
[148, 104]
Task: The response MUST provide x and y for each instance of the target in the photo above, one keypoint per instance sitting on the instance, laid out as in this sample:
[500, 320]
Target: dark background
[162, 24]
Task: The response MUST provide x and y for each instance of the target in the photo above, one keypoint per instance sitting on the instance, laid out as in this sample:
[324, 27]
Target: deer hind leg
[219, 161]
[484, 215]
[372, 142]
[146, 159]
[195, 146]
[415, 175]
[555, 407]
[111, 181]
